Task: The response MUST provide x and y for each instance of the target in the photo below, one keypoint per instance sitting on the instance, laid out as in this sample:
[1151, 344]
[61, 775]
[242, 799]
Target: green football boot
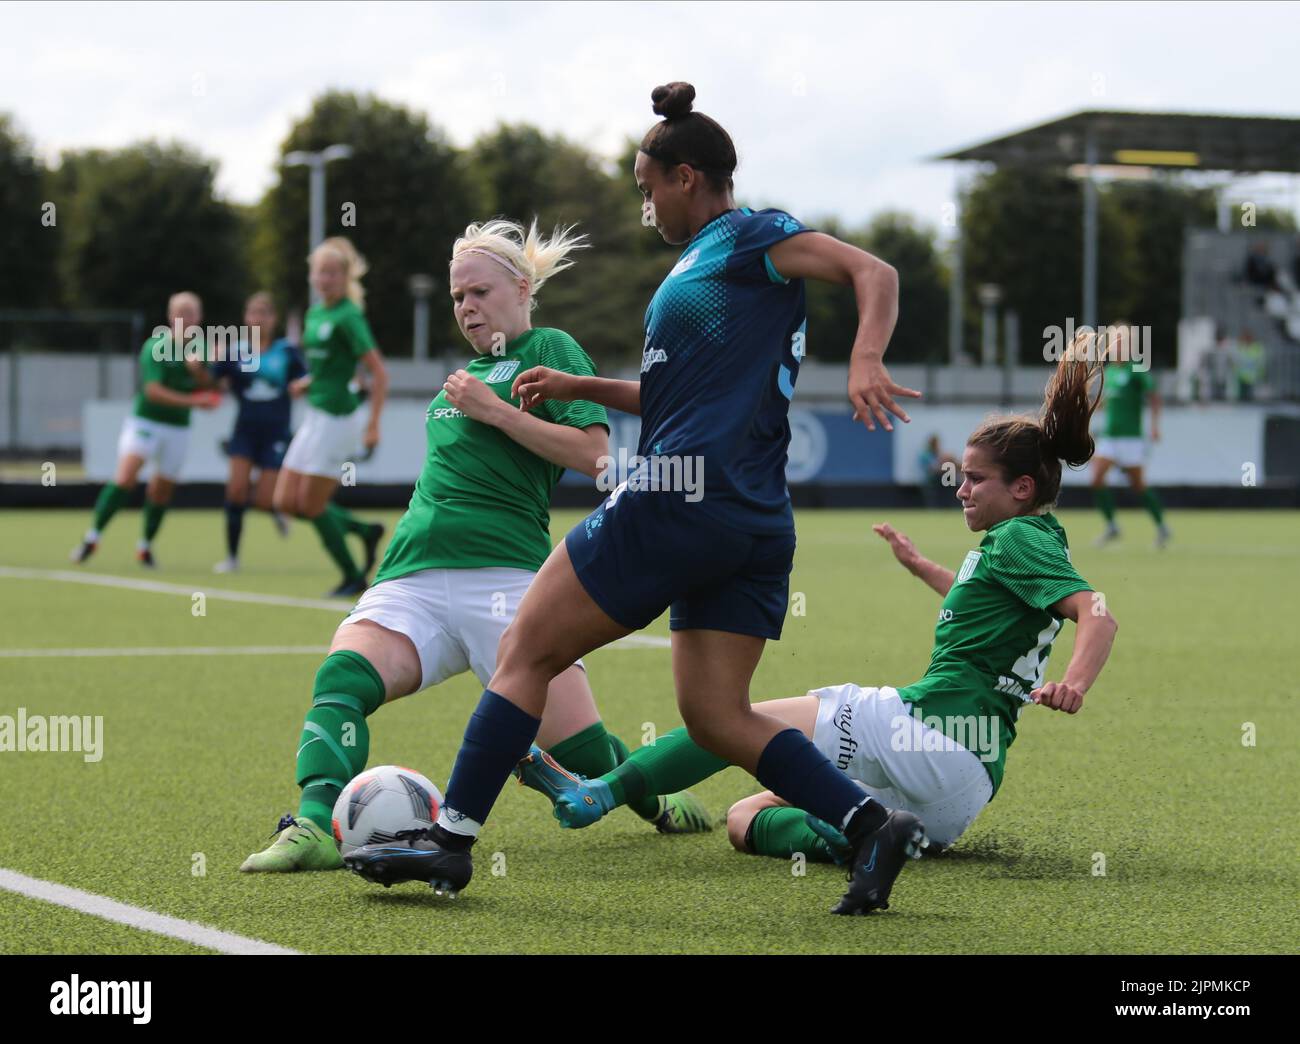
[301, 846]
[682, 813]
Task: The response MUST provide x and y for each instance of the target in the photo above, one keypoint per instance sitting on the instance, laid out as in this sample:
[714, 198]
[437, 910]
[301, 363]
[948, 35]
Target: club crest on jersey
[968, 566]
[325, 329]
[686, 262]
[502, 371]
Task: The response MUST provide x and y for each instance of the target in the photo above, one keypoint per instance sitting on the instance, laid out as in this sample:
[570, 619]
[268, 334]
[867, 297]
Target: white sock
[458, 823]
[92, 536]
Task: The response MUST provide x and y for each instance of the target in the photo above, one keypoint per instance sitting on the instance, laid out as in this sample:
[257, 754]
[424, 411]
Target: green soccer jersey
[482, 499]
[333, 339]
[173, 375]
[994, 635]
[1126, 391]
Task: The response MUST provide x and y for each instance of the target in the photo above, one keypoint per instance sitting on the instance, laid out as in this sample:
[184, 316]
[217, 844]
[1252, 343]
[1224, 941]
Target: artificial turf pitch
[1151, 782]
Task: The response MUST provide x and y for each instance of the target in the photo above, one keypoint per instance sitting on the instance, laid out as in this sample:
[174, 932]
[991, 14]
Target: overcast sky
[835, 108]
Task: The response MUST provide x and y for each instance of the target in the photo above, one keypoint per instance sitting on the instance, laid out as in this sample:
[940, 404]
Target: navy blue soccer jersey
[263, 393]
[724, 336]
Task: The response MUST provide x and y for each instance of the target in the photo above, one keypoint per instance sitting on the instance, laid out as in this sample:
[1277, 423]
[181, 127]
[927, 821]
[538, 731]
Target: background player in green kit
[1127, 391]
[475, 534]
[158, 429]
[336, 337]
[936, 748]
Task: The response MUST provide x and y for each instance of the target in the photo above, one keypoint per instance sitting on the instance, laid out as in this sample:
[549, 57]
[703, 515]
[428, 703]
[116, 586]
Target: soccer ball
[380, 802]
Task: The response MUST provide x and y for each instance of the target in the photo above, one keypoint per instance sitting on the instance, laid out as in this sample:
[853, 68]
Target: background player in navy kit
[261, 432]
[724, 340]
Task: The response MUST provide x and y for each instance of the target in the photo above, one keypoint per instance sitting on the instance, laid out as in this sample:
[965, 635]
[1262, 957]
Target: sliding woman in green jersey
[936, 748]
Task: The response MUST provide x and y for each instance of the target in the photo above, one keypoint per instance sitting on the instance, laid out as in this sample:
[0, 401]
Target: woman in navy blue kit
[724, 340]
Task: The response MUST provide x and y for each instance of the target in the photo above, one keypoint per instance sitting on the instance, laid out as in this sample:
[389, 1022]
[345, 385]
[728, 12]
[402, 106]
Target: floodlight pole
[956, 286]
[1090, 234]
[315, 162]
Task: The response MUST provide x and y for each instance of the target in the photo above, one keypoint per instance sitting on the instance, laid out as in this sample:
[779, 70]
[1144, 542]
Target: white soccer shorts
[324, 443]
[870, 735]
[161, 445]
[1126, 451]
[454, 617]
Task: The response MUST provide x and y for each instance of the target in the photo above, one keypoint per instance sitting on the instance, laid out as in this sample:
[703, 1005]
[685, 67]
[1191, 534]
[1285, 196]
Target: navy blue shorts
[650, 551]
[265, 447]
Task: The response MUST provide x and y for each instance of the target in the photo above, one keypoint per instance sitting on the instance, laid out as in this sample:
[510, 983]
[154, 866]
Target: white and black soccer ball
[380, 802]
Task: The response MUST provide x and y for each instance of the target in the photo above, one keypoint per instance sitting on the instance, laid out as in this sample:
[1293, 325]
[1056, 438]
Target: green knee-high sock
[782, 832]
[332, 535]
[672, 763]
[153, 516]
[1105, 500]
[587, 753]
[1153, 505]
[335, 738]
[110, 498]
[349, 521]
[646, 806]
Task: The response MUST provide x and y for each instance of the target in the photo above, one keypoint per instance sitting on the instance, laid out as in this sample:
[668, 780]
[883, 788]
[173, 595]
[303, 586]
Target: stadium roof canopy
[1244, 144]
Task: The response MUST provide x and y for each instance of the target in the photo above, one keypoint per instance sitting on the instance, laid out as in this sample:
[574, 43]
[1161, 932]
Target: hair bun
[673, 100]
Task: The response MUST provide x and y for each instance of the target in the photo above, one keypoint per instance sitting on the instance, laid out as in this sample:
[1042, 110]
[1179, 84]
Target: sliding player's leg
[672, 763]
[763, 824]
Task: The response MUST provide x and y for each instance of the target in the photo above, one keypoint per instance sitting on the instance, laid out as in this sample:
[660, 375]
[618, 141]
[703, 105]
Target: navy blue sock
[234, 527]
[497, 736]
[795, 770]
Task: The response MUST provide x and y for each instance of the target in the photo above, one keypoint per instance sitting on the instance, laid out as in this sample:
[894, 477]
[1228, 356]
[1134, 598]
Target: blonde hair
[524, 254]
[354, 265]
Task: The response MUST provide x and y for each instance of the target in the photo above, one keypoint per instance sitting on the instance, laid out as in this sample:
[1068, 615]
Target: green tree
[920, 335]
[140, 223]
[408, 191]
[28, 241]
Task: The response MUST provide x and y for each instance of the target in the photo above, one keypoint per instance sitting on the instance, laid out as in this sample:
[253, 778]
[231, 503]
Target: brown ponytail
[1036, 446]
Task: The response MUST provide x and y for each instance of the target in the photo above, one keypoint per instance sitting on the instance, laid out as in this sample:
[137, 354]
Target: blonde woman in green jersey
[336, 338]
[475, 534]
[157, 431]
[1128, 390]
[936, 748]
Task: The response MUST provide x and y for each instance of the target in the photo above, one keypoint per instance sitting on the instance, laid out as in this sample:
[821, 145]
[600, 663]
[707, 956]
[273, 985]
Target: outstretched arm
[1094, 634]
[539, 383]
[815, 255]
[935, 575]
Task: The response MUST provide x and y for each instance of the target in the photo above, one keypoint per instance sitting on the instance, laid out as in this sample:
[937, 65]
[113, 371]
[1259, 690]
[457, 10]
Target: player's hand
[207, 399]
[298, 388]
[539, 383]
[904, 550]
[872, 391]
[1155, 434]
[471, 396]
[1059, 696]
[370, 439]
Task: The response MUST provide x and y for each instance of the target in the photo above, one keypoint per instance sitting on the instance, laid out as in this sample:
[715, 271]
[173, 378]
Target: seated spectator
[1261, 273]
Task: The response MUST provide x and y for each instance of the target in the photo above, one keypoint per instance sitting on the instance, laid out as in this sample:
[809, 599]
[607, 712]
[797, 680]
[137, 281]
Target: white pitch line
[180, 650]
[136, 916]
[642, 641]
